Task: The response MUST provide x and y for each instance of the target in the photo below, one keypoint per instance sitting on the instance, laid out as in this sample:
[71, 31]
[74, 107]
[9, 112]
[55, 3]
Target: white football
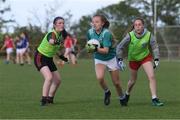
[93, 42]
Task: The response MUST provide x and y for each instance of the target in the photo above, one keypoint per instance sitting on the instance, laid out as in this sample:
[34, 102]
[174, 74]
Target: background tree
[51, 10]
[120, 16]
[4, 8]
[80, 29]
[168, 11]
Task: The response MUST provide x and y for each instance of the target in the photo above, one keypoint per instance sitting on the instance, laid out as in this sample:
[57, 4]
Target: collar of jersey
[96, 32]
[144, 32]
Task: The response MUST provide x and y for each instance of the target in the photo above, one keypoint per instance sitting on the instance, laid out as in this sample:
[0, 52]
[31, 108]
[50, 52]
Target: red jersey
[68, 43]
[9, 43]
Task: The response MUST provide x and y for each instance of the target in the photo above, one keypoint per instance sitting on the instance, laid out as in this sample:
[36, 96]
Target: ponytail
[64, 34]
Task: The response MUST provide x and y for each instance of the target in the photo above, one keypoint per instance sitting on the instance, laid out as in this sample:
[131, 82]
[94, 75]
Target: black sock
[50, 99]
[44, 98]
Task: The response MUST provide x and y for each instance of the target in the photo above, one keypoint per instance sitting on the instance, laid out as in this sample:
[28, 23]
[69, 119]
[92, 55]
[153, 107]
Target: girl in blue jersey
[19, 50]
[105, 57]
[25, 40]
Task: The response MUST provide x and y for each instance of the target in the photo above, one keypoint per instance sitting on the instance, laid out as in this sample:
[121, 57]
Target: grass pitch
[80, 95]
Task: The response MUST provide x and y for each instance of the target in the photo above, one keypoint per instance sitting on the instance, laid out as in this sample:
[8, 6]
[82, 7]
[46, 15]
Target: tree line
[120, 16]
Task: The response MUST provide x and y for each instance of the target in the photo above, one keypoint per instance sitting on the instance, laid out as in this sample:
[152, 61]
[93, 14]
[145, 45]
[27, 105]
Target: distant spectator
[19, 50]
[8, 45]
[26, 49]
[69, 44]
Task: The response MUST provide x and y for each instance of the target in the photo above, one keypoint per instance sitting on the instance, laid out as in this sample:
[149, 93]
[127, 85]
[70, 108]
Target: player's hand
[121, 64]
[63, 58]
[54, 42]
[156, 63]
[51, 41]
[91, 48]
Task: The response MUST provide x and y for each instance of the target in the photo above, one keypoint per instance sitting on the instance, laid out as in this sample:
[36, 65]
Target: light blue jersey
[105, 39]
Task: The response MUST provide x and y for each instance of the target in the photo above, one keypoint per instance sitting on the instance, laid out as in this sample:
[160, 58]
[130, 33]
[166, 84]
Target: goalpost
[168, 37]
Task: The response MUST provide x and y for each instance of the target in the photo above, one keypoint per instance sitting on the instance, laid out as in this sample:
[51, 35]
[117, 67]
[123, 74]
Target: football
[93, 42]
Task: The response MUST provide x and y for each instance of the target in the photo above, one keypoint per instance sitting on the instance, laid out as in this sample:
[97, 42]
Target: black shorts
[41, 61]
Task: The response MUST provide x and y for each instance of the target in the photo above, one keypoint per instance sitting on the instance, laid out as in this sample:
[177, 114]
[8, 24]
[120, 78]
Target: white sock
[107, 90]
[127, 93]
[122, 97]
[154, 96]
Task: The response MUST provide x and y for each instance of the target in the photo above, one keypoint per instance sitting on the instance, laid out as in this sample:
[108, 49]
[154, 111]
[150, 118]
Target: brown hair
[64, 33]
[130, 28]
[103, 19]
[138, 18]
[57, 18]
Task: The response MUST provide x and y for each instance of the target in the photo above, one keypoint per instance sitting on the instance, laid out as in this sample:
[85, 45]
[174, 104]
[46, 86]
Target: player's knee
[49, 78]
[152, 77]
[58, 81]
[101, 80]
[116, 84]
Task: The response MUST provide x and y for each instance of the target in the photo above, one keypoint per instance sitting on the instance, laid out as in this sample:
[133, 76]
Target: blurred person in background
[19, 50]
[25, 45]
[9, 46]
[69, 45]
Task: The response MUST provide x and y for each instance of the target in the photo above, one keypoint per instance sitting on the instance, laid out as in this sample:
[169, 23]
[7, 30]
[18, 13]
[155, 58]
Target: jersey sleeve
[122, 45]
[155, 48]
[107, 40]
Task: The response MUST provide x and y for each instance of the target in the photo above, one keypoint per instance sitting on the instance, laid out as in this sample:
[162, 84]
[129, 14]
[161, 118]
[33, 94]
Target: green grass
[80, 95]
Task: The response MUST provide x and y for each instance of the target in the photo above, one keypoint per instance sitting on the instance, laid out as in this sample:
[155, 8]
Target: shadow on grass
[79, 101]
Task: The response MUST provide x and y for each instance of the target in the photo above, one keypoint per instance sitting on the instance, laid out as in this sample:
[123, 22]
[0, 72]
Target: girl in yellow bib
[43, 60]
[139, 41]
